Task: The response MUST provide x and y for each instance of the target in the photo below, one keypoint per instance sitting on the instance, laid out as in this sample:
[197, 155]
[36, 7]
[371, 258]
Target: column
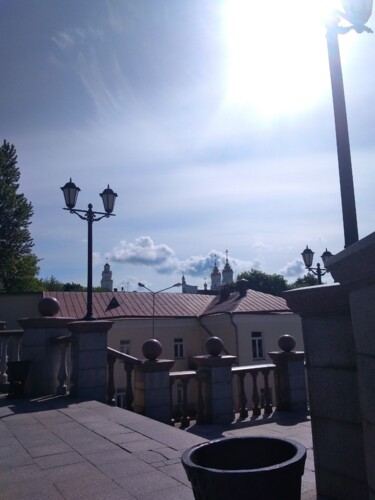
[217, 373]
[89, 359]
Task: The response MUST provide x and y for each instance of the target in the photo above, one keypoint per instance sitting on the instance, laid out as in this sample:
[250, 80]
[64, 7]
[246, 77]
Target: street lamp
[308, 256]
[357, 13]
[71, 191]
[142, 285]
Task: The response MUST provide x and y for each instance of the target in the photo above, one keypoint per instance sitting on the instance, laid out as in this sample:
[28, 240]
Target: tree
[308, 280]
[51, 284]
[274, 284]
[18, 264]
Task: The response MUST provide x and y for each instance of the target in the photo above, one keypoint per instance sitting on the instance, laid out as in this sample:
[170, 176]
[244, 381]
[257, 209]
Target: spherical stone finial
[214, 346]
[49, 306]
[287, 343]
[152, 349]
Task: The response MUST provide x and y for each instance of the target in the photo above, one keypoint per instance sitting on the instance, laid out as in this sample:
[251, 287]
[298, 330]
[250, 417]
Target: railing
[254, 370]
[187, 411]
[195, 408]
[129, 364]
[10, 341]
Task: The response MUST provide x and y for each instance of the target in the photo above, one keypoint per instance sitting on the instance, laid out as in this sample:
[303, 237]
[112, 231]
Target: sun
[276, 54]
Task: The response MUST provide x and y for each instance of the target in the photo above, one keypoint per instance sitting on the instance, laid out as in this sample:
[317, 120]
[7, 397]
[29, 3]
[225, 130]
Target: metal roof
[112, 305]
[107, 305]
[252, 303]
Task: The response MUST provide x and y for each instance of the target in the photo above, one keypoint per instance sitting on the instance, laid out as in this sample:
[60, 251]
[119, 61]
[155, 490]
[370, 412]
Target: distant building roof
[252, 303]
[115, 305]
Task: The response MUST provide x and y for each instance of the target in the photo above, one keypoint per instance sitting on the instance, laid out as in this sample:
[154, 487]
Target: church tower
[107, 281]
[215, 277]
[227, 272]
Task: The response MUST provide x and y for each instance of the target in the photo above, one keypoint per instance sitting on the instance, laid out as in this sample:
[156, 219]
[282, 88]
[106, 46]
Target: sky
[211, 119]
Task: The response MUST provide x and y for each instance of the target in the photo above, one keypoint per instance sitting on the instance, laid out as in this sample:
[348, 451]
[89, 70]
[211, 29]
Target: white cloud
[64, 40]
[293, 269]
[143, 252]
[162, 258]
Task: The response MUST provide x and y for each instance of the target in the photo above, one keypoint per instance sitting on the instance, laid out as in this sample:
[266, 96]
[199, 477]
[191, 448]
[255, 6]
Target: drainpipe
[205, 328]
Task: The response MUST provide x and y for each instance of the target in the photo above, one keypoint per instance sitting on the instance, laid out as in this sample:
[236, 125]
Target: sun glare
[277, 60]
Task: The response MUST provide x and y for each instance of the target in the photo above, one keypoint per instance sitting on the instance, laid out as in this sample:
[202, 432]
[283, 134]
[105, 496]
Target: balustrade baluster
[244, 413]
[62, 375]
[111, 379]
[17, 346]
[200, 399]
[256, 398]
[129, 394]
[267, 398]
[185, 420]
[171, 384]
[3, 360]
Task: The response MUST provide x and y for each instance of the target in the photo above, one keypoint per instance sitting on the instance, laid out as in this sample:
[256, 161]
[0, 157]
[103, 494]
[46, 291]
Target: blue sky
[211, 119]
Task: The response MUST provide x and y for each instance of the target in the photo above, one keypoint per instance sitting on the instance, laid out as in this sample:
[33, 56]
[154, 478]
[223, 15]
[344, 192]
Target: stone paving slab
[60, 448]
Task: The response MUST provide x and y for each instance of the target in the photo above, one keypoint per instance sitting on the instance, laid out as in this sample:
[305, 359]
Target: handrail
[129, 363]
[182, 374]
[249, 368]
[126, 358]
[11, 333]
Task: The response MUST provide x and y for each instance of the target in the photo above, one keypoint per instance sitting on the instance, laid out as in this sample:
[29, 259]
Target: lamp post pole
[71, 191]
[357, 13]
[142, 285]
[349, 213]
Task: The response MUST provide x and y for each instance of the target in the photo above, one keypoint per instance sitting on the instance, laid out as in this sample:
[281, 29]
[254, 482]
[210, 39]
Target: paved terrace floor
[60, 448]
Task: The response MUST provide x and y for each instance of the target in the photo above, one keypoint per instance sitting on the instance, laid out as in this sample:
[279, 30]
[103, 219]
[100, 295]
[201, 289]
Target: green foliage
[73, 287]
[308, 280]
[52, 284]
[273, 284]
[19, 266]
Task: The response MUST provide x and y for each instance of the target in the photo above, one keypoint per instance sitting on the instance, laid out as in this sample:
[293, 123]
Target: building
[106, 281]
[218, 280]
[249, 322]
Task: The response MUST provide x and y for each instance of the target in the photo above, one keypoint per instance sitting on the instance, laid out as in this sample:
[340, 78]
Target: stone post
[216, 370]
[354, 268]
[333, 390]
[89, 378]
[290, 379]
[38, 348]
[152, 396]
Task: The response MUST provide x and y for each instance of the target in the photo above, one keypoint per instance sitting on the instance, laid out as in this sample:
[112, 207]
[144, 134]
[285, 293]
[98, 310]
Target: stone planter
[253, 468]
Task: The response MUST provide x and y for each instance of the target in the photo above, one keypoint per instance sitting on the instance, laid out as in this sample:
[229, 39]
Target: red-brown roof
[252, 303]
[131, 304]
[107, 305]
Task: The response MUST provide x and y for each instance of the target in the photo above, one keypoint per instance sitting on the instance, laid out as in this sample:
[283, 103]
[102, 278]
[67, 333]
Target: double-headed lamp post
[308, 256]
[71, 191]
[142, 285]
[356, 13]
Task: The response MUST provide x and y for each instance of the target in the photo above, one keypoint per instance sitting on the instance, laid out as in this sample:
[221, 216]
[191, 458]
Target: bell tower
[107, 281]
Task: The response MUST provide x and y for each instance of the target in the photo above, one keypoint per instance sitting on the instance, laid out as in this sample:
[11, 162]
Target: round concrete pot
[253, 468]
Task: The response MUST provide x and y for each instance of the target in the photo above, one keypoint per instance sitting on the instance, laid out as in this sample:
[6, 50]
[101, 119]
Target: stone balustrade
[73, 357]
[10, 341]
[254, 370]
[129, 363]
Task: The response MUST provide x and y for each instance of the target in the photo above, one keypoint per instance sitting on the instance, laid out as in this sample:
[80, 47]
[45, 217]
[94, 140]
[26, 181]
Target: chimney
[242, 286]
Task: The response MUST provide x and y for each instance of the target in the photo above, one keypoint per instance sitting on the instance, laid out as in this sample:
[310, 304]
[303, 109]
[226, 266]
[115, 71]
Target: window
[125, 346]
[178, 348]
[257, 345]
